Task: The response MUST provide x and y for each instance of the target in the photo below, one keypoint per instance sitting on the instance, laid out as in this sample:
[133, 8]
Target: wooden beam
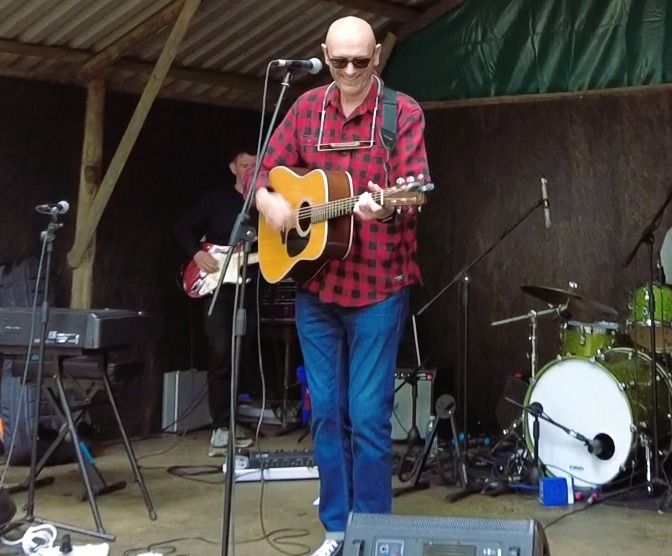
[88, 228]
[101, 62]
[69, 55]
[205, 77]
[72, 56]
[545, 97]
[89, 180]
[428, 16]
[386, 51]
[380, 8]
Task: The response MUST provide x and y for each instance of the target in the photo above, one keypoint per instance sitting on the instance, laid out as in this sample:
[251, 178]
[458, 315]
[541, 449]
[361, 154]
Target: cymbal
[575, 302]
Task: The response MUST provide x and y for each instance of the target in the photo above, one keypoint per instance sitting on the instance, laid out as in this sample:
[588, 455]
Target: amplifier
[402, 415]
[185, 401]
[393, 535]
[276, 301]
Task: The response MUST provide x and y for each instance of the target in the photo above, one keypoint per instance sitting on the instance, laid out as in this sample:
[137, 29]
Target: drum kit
[596, 395]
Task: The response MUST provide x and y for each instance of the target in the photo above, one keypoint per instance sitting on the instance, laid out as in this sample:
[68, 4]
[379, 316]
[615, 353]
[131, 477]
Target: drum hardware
[532, 316]
[648, 237]
[572, 301]
[464, 278]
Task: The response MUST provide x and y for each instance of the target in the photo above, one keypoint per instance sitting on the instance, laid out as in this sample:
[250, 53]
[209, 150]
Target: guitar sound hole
[303, 222]
[296, 243]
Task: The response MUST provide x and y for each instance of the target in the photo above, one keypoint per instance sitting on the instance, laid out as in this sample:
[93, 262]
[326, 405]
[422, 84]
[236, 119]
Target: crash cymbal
[575, 302]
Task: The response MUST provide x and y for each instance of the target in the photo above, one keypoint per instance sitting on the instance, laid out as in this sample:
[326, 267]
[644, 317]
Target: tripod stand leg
[419, 468]
[127, 445]
[78, 451]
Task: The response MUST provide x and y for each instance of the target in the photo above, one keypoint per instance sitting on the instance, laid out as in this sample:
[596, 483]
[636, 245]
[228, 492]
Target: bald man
[350, 315]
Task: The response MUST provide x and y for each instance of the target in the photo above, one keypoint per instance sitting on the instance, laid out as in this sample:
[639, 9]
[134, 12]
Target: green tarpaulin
[489, 48]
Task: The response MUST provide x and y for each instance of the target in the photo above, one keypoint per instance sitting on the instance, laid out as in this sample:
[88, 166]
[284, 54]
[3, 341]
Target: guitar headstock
[407, 192]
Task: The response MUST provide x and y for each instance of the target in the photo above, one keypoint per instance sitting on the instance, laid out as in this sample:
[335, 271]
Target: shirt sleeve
[411, 156]
[191, 227]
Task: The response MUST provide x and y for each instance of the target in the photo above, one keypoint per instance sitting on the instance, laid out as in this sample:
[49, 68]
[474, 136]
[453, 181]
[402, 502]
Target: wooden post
[89, 180]
[386, 50]
[87, 229]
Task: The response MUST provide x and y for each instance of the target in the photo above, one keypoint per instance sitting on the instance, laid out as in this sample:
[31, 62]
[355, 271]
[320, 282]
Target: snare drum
[587, 339]
[609, 395]
[640, 318]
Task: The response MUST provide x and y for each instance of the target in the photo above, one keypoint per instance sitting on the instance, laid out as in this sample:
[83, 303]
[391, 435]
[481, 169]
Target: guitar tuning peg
[421, 177]
[400, 181]
[410, 179]
[398, 210]
[419, 208]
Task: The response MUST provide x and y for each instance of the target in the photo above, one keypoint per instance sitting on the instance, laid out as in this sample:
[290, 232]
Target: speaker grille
[464, 524]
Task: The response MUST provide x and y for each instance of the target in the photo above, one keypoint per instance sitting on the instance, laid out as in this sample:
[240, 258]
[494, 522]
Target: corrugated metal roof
[222, 59]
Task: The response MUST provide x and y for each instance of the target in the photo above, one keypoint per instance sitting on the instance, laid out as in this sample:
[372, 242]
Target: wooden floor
[186, 487]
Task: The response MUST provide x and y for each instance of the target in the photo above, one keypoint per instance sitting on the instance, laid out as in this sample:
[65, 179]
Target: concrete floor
[193, 507]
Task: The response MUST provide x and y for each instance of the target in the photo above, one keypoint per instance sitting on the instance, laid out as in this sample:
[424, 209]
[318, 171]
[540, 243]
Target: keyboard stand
[91, 367]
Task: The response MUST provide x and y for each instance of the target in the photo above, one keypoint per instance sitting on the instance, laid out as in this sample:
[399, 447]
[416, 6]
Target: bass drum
[609, 396]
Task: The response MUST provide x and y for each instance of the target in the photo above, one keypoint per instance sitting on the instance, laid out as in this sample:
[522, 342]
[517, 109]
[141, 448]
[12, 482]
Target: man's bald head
[349, 30]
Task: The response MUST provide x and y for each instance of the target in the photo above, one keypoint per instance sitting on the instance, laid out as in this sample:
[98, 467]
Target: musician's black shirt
[213, 217]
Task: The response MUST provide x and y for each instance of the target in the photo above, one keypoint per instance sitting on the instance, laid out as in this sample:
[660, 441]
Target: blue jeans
[350, 357]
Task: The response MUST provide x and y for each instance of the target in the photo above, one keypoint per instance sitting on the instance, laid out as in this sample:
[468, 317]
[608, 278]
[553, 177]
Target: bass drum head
[584, 396]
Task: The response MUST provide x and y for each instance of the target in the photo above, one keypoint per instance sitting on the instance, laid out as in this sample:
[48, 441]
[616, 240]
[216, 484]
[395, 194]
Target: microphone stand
[537, 411]
[445, 409]
[48, 237]
[243, 233]
[647, 237]
[464, 277]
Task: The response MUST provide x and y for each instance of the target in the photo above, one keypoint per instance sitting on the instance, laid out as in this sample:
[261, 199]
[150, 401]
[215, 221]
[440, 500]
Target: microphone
[547, 205]
[56, 208]
[535, 409]
[313, 65]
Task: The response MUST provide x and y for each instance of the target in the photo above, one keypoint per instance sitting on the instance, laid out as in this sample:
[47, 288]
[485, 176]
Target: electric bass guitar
[322, 220]
[197, 283]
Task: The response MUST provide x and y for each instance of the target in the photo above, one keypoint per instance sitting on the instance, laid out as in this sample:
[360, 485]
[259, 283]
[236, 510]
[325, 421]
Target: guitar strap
[389, 130]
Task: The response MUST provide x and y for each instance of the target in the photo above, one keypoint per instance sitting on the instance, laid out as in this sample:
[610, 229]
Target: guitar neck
[334, 209]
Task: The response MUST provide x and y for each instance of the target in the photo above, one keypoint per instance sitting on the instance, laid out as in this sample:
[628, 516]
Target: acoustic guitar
[322, 220]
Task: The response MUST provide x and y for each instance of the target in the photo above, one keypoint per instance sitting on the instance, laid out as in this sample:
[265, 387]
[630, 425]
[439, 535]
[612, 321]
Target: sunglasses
[340, 62]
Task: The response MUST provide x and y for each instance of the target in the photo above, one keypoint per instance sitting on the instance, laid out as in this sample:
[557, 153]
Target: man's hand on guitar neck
[367, 209]
[275, 209]
[206, 262]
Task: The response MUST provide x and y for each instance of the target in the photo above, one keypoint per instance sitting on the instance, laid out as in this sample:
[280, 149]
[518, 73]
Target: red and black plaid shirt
[383, 257]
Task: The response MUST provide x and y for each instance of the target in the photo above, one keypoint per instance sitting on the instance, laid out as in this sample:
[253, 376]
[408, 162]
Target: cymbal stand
[464, 277]
[532, 316]
[647, 237]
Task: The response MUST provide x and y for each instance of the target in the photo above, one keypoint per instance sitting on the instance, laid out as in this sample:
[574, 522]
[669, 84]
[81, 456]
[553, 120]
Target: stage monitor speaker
[402, 415]
[395, 535]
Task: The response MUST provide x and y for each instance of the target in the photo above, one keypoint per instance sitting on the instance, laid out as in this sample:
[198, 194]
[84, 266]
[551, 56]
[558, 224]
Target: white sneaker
[330, 547]
[218, 442]
[242, 438]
